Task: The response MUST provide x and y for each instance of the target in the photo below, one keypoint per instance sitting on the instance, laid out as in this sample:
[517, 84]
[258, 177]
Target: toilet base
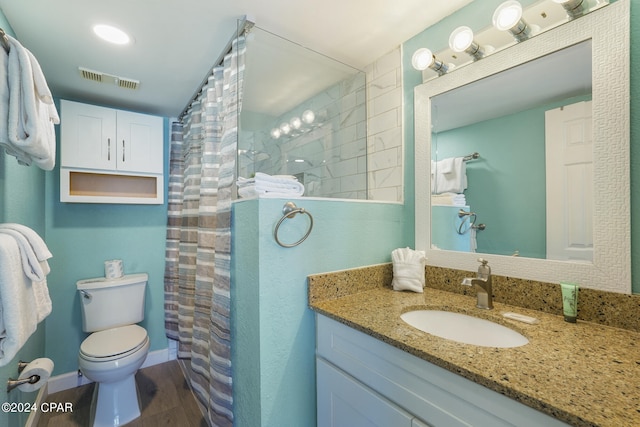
[115, 403]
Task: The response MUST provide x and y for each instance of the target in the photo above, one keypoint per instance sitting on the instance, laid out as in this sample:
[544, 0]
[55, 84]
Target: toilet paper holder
[11, 383]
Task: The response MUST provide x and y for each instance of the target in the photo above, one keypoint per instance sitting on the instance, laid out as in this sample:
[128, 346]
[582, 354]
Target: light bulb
[275, 133]
[285, 128]
[308, 116]
[422, 58]
[507, 15]
[295, 123]
[460, 39]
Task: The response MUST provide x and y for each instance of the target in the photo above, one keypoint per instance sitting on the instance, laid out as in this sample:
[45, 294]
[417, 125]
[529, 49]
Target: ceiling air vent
[127, 83]
[91, 75]
[100, 77]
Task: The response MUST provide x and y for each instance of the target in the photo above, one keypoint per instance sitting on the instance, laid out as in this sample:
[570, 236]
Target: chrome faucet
[483, 282]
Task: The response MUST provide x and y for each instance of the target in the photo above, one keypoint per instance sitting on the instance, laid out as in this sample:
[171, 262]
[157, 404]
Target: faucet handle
[483, 261]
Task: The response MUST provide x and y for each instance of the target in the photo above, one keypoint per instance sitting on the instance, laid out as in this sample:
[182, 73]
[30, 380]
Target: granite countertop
[584, 374]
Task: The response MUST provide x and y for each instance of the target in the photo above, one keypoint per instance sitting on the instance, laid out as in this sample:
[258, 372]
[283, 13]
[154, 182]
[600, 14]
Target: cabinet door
[344, 402]
[88, 135]
[140, 143]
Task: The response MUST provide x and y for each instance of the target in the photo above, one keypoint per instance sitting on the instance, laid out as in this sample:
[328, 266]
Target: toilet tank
[109, 303]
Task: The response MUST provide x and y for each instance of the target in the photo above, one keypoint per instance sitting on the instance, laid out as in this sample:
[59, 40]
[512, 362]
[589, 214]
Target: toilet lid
[114, 341]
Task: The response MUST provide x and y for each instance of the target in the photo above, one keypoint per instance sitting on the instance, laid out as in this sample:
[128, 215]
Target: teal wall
[84, 235]
[272, 327]
[512, 158]
[22, 201]
[477, 15]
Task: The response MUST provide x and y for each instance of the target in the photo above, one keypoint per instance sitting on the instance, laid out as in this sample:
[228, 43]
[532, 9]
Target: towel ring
[290, 210]
[466, 216]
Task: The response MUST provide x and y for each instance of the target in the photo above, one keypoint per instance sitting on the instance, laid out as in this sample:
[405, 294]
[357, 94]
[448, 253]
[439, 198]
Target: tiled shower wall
[384, 130]
[329, 157]
[353, 151]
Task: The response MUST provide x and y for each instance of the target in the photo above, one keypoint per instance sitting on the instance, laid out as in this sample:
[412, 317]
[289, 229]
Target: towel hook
[289, 210]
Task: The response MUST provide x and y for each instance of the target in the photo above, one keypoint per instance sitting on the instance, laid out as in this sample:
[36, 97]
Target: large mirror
[513, 187]
[518, 122]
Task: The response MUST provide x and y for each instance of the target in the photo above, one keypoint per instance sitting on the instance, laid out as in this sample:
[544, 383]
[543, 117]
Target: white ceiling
[177, 42]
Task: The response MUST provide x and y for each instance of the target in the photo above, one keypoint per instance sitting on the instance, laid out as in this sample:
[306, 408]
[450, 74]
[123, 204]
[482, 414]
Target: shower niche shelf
[82, 186]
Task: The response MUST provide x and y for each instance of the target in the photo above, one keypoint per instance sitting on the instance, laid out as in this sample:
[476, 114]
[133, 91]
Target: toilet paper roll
[113, 269]
[42, 367]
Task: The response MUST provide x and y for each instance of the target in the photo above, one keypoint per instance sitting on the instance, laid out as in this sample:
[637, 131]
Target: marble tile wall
[384, 132]
[329, 156]
[355, 148]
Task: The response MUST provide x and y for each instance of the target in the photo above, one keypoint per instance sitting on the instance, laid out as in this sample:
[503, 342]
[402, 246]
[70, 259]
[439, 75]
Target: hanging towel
[28, 132]
[452, 181]
[23, 302]
[34, 253]
[408, 270]
[22, 157]
[265, 185]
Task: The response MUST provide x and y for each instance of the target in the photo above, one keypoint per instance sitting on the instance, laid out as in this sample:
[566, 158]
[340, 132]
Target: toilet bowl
[111, 358]
[117, 346]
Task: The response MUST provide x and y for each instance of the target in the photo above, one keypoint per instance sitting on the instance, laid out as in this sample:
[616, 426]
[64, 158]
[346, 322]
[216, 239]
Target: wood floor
[165, 400]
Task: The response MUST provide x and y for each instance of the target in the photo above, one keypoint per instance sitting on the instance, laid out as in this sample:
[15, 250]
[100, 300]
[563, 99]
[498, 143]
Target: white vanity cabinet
[362, 381]
[110, 156]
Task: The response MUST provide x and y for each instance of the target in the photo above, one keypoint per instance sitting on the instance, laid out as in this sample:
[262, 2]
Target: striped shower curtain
[198, 253]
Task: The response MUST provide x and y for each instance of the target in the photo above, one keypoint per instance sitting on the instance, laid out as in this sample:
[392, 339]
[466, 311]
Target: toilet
[116, 348]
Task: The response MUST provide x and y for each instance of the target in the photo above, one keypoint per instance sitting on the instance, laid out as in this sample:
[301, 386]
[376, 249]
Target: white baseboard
[73, 379]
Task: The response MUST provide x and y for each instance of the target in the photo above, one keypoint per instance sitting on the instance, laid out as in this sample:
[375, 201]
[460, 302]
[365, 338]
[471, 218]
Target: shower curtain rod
[244, 27]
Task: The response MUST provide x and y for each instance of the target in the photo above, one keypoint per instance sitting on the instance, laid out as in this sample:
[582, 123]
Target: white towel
[264, 185]
[448, 199]
[22, 157]
[34, 254]
[19, 298]
[454, 181]
[31, 112]
[408, 270]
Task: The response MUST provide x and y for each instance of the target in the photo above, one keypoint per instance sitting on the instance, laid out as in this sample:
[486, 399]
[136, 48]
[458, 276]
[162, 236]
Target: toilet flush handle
[86, 295]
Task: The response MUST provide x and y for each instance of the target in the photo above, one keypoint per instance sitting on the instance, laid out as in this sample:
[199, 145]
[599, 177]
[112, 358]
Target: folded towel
[33, 255]
[448, 199]
[264, 185]
[23, 302]
[31, 113]
[408, 270]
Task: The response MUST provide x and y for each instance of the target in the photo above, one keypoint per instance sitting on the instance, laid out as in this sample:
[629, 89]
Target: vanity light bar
[508, 17]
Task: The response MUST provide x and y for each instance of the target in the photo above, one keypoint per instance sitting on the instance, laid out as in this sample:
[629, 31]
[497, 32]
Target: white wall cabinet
[362, 381]
[110, 156]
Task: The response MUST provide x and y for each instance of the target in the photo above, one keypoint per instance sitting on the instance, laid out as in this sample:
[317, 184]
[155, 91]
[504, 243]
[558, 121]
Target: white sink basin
[463, 328]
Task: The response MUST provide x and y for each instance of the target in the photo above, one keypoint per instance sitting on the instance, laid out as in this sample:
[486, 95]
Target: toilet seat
[116, 343]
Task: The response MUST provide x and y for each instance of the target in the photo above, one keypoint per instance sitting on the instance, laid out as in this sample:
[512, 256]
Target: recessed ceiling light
[111, 34]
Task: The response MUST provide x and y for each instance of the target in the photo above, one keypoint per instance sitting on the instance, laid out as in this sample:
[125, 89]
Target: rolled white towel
[408, 270]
